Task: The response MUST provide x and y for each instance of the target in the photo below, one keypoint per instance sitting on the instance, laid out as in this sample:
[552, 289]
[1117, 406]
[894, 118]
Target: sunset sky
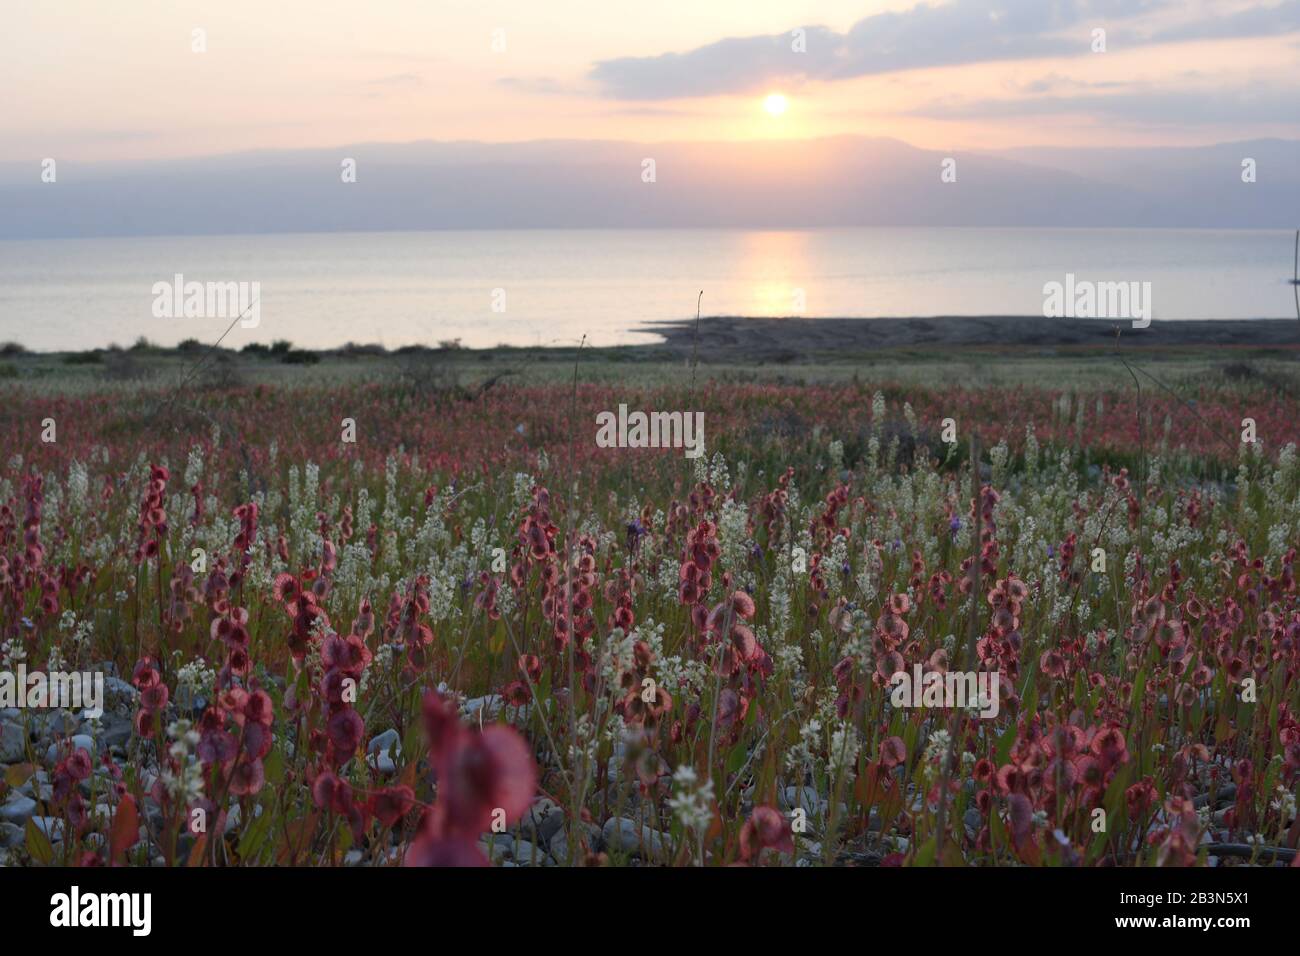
[91, 80]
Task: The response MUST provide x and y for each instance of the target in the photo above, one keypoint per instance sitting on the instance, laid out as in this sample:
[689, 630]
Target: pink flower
[481, 773]
[765, 829]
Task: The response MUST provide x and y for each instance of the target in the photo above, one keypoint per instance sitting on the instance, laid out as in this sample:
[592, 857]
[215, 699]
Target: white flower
[692, 802]
[936, 747]
[1284, 803]
[842, 760]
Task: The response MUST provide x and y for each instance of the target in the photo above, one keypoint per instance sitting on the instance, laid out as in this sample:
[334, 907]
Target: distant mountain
[838, 181]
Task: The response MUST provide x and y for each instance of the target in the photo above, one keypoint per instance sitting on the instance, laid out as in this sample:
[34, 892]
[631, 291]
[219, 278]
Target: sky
[91, 80]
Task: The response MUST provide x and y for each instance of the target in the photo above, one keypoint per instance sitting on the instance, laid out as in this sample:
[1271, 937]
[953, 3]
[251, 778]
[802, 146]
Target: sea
[607, 287]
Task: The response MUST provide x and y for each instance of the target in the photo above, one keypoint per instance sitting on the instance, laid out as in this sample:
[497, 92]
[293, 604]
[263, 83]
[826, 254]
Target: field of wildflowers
[376, 624]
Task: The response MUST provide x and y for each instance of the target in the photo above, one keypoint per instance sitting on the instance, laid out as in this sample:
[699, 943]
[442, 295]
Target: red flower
[217, 747]
[480, 773]
[765, 829]
[345, 730]
[286, 588]
[517, 694]
[247, 778]
[742, 604]
[391, 804]
[531, 665]
[892, 752]
[78, 765]
[428, 849]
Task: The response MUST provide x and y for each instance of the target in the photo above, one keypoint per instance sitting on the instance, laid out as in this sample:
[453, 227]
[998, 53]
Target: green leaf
[1005, 743]
[38, 844]
[997, 833]
[1139, 686]
[251, 842]
[736, 759]
[909, 737]
[1031, 688]
[274, 766]
[925, 855]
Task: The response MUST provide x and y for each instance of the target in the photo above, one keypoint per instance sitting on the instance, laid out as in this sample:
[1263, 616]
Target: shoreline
[734, 336]
[768, 338]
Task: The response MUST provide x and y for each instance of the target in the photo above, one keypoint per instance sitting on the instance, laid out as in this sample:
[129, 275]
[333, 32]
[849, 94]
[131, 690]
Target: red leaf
[126, 829]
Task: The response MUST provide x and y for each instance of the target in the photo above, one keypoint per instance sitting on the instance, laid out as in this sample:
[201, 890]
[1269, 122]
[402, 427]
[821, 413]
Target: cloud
[1148, 107]
[951, 34]
[1055, 81]
[1261, 20]
[543, 85]
[399, 79]
[648, 111]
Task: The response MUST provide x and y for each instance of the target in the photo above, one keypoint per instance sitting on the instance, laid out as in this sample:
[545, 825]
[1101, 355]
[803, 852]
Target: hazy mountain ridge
[839, 181]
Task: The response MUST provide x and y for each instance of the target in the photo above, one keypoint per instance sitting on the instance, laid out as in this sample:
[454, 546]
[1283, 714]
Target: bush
[121, 366]
[93, 357]
[352, 349]
[299, 357]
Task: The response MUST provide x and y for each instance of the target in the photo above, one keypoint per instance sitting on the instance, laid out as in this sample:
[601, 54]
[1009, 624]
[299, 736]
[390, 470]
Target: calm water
[322, 290]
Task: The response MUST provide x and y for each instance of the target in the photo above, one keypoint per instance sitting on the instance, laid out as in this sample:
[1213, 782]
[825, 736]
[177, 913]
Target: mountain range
[836, 181]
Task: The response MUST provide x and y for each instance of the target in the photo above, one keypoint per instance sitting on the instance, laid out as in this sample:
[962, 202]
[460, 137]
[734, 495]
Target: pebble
[13, 742]
[503, 846]
[810, 852]
[18, 810]
[559, 844]
[35, 786]
[59, 723]
[551, 823]
[541, 821]
[490, 705]
[790, 797]
[58, 750]
[233, 816]
[52, 827]
[119, 696]
[11, 835]
[623, 834]
[379, 750]
[115, 732]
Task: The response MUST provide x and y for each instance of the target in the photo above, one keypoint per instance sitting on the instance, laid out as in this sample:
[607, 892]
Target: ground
[370, 608]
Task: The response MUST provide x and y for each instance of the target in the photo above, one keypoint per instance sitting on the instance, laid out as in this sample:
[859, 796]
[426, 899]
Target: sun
[775, 104]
